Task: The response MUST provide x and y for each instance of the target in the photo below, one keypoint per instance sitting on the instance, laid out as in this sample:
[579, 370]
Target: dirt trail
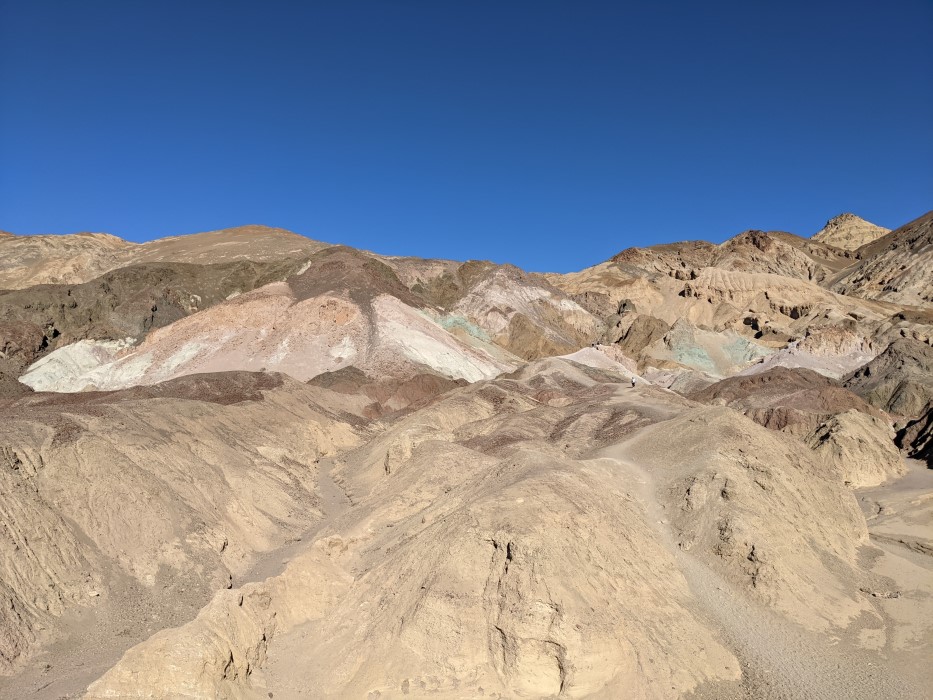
[900, 523]
[333, 503]
[780, 660]
[899, 512]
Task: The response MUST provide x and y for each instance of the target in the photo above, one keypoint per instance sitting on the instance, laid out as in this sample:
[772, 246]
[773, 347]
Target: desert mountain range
[247, 464]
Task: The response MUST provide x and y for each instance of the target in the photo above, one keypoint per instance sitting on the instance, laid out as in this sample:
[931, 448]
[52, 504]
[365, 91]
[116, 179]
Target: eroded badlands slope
[549, 535]
[244, 464]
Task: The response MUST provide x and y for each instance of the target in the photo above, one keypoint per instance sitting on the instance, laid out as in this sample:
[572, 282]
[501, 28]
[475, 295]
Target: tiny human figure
[633, 382]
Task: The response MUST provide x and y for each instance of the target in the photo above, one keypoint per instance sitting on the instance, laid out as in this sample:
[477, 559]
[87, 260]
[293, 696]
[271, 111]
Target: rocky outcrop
[525, 314]
[899, 380]
[916, 437]
[793, 400]
[20, 345]
[858, 448]
[639, 332]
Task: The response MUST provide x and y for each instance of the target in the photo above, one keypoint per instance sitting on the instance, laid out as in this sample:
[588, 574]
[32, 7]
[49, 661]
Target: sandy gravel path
[780, 660]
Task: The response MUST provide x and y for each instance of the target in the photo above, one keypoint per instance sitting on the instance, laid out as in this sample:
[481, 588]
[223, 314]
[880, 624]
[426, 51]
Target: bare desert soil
[244, 464]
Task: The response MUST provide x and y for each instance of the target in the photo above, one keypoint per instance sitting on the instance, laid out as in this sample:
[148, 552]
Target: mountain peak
[849, 231]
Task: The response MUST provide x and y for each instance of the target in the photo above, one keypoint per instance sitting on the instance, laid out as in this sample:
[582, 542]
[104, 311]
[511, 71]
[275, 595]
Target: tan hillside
[76, 258]
[244, 464]
[540, 549]
[897, 267]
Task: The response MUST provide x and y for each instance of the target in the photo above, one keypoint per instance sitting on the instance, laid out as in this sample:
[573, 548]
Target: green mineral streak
[694, 356]
[741, 351]
[454, 321]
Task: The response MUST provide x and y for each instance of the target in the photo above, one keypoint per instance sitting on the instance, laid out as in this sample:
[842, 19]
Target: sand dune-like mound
[378, 397]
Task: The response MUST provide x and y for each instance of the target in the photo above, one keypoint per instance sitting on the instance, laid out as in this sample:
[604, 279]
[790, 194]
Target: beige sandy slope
[549, 535]
[29, 260]
[899, 515]
[124, 512]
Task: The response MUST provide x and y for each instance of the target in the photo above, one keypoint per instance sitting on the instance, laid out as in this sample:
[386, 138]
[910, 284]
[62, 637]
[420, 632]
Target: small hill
[343, 308]
[794, 400]
[897, 267]
[849, 232]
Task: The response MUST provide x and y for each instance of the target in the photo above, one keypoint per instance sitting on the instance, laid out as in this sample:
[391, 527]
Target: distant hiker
[633, 382]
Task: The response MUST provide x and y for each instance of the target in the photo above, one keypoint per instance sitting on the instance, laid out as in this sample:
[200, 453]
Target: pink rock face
[268, 329]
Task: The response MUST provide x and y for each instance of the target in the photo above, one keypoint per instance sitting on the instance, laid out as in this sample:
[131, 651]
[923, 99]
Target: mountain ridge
[433, 478]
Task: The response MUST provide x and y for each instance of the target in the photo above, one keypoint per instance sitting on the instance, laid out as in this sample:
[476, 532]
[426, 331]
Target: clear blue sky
[548, 134]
